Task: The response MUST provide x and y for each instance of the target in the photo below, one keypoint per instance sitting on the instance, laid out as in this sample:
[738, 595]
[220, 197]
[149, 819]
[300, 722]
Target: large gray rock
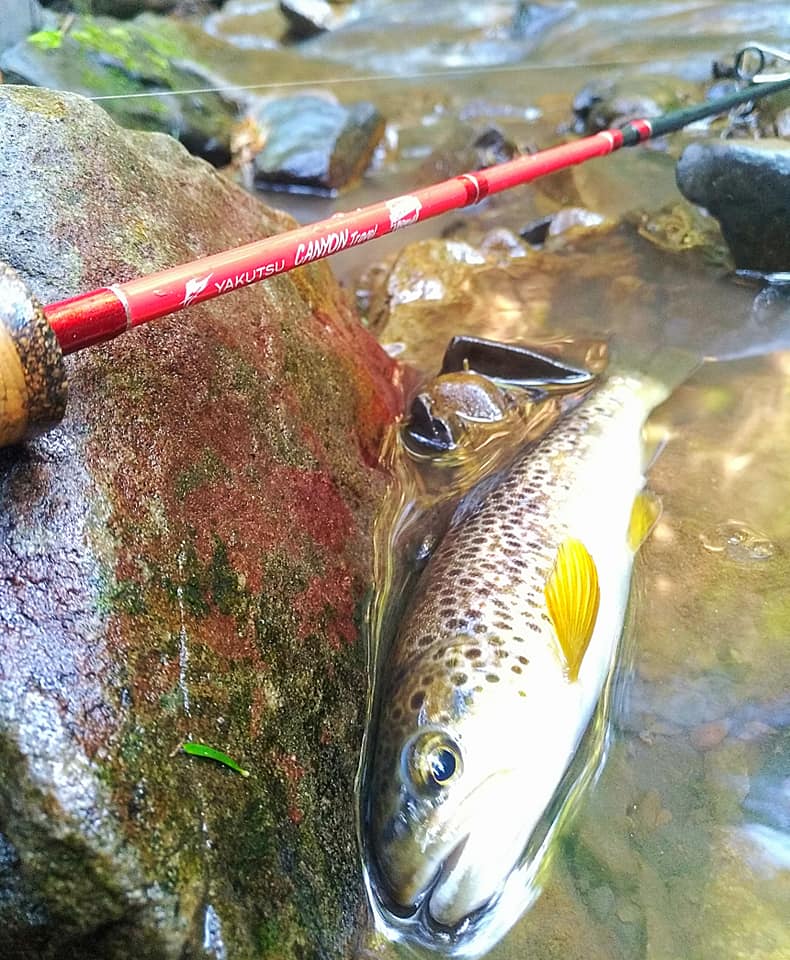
[746, 186]
[315, 142]
[124, 64]
[17, 19]
[186, 557]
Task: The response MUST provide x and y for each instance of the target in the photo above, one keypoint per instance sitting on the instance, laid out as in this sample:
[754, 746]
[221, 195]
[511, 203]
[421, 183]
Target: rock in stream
[746, 186]
[186, 557]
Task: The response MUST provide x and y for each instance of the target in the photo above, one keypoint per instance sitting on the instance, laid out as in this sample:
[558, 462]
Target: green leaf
[202, 750]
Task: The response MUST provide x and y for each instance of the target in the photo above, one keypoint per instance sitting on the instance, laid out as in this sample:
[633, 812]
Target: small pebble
[709, 735]
[601, 901]
[629, 912]
[756, 730]
[739, 542]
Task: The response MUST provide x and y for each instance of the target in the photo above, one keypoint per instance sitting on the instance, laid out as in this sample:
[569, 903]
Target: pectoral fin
[644, 516]
[572, 598]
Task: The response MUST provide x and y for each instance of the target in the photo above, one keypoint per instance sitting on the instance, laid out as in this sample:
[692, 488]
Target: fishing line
[35, 338]
[384, 77]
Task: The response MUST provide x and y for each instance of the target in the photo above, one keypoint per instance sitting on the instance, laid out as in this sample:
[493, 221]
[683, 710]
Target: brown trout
[498, 666]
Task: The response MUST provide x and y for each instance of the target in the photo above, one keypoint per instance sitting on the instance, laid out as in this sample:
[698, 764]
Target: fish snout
[449, 869]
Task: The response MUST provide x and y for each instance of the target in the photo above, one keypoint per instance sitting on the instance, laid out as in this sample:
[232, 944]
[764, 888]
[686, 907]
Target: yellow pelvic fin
[644, 516]
[572, 599]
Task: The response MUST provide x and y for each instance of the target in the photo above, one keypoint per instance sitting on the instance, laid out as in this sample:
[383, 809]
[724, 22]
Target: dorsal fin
[572, 598]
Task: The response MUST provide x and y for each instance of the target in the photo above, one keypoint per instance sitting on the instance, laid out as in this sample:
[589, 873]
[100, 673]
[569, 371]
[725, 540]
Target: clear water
[681, 850]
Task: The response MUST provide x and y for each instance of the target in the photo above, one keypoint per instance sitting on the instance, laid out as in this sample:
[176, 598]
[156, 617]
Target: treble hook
[752, 59]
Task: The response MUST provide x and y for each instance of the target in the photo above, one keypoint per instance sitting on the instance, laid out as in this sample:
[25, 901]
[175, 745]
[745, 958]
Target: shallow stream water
[682, 847]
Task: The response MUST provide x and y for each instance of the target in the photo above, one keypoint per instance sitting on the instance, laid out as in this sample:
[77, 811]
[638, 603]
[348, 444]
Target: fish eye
[443, 765]
[433, 761]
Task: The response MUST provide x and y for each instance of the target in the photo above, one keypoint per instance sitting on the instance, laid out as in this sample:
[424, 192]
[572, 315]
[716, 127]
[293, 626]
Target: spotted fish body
[479, 709]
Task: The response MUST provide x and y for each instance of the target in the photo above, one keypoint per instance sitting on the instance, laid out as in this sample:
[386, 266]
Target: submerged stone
[100, 57]
[603, 104]
[186, 557]
[746, 186]
[315, 143]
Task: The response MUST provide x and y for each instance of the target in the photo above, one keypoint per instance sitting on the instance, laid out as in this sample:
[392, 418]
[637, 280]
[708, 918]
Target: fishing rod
[34, 338]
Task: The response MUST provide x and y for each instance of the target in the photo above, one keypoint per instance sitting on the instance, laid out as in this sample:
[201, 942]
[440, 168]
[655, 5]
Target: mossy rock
[187, 557]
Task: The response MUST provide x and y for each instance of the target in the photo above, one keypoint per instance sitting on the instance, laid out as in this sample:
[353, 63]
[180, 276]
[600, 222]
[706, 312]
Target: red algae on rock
[187, 557]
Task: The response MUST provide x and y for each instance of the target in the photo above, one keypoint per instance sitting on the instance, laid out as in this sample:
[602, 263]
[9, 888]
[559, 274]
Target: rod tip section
[33, 388]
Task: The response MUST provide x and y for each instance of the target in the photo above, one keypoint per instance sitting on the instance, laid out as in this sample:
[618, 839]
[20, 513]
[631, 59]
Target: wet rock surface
[315, 142]
[747, 188]
[16, 23]
[186, 557]
[101, 57]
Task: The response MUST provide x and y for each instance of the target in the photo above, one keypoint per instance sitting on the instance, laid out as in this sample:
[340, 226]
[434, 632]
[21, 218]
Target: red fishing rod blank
[33, 339]
[94, 317]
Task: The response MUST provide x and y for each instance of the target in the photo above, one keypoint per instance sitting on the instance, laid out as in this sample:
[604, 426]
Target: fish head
[447, 813]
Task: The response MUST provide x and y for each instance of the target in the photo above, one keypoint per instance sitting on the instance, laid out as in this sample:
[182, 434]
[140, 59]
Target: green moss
[209, 467]
[133, 746]
[46, 39]
[230, 598]
[269, 411]
[173, 701]
[268, 936]
[127, 597]
[190, 586]
[34, 102]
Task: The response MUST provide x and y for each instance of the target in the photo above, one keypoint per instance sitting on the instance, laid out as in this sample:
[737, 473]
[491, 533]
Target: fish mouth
[444, 889]
[413, 903]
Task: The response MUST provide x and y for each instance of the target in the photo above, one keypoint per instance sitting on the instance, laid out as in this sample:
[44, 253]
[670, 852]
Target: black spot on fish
[417, 700]
[523, 659]
[492, 678]
[516, 668]
[473, 653]
[459, 679]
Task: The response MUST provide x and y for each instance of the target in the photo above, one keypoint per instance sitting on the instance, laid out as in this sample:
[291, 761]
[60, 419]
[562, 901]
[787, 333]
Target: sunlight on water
[680, 849]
